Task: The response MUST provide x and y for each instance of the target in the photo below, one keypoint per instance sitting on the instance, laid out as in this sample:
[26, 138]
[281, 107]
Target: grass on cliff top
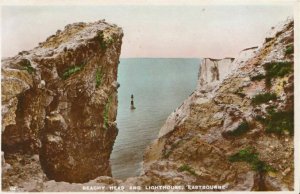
[241, 129]
[277, 69]
[250, 156]
[187, 168]
[27, 66]
[72, 70]
[263, 98]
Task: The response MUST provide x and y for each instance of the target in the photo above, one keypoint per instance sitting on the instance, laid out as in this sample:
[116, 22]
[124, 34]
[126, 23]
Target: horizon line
[160, 57]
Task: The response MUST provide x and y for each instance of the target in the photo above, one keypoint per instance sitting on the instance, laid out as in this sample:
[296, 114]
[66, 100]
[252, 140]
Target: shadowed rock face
[60, 101]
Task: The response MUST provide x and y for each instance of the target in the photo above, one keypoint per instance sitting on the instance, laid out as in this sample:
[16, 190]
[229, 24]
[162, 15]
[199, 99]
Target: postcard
[140, 96]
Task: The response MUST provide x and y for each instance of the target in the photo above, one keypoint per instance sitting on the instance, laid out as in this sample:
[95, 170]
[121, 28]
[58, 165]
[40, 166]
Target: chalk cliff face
[214, 70]
[59, 102]
[211, 74]
[236, 129]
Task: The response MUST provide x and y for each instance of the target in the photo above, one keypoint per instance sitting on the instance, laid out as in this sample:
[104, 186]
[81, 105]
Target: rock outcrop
[59, 102]
[236, 129]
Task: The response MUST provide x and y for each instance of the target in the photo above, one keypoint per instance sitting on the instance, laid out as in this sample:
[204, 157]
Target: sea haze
[159, 86]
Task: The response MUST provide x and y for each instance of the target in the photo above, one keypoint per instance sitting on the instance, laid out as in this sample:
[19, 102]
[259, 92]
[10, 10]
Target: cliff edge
[59, 106]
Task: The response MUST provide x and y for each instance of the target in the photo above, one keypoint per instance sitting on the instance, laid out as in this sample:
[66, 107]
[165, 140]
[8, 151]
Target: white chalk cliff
[211, 74]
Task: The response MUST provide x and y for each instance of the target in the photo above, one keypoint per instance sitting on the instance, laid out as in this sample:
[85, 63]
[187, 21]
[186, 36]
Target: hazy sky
[150, 31]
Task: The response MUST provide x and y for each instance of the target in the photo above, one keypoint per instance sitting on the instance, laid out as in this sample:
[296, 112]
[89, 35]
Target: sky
[150, 30]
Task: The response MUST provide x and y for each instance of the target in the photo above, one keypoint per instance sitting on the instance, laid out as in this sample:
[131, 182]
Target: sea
[159, 86]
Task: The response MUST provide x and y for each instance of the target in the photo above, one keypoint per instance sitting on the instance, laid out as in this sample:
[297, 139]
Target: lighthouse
[132, 103]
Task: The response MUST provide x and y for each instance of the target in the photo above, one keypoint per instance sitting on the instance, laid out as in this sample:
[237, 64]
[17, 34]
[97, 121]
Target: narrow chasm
[158, 87]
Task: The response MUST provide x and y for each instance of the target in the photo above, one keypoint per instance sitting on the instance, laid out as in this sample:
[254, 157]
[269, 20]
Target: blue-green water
[159, 86]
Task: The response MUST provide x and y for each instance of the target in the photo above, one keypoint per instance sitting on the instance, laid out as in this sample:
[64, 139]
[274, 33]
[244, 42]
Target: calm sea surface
[159, 86]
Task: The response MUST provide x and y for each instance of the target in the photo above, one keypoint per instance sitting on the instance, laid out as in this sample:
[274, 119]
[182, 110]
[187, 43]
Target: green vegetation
[263, 98]
[106, 111]
[248, 155]
[109, 41]
[289, 49]
[278, 122]
[260, 119]
[277, 69]
[101, 40]
[241, 129]
[98, 78]
[274, 70]
[104, 43]
[187, 168]
[281, 121]
[72, 70]
[271, 109]
[258, 77]
[25, 63]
